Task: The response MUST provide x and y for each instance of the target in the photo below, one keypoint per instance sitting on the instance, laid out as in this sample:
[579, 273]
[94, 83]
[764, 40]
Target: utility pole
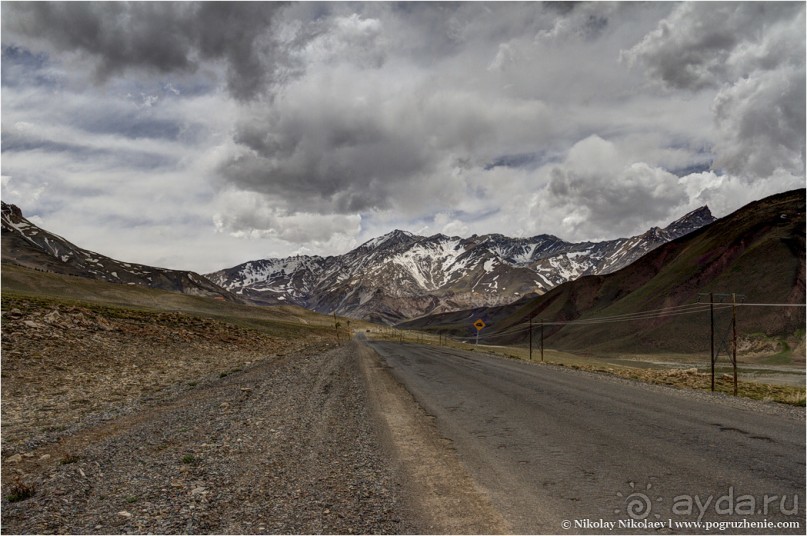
[712, 335]
[336, 327]
[732, 354]
[542, 339]
[734, 338]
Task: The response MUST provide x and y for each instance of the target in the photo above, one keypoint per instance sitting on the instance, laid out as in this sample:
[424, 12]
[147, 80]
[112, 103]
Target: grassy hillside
[757, 251]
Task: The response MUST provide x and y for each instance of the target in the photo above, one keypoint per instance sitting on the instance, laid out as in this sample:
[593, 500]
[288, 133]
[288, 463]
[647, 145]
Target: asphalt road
[556, 448]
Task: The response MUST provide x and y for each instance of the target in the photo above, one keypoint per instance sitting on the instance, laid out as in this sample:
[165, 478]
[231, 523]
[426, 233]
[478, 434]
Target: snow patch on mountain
[401, 275]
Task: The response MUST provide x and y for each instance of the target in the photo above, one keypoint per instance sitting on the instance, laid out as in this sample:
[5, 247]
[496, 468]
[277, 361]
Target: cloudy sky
[200, 136]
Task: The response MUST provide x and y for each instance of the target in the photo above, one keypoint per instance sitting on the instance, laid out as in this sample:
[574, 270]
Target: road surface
[562, 451]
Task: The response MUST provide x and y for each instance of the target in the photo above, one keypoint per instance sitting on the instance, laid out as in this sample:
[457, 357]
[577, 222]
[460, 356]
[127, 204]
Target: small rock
[32, 324]
[17, 458]
[200, 490]
[28, 455]
[124, 513]
[44, 457]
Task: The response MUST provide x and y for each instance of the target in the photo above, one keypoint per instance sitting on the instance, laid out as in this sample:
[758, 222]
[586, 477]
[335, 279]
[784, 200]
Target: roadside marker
[479, 325]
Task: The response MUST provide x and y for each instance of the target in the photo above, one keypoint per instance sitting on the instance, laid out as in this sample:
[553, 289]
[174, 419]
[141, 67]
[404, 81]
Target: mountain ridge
[30, 246]
[401, 275]
[757, 250]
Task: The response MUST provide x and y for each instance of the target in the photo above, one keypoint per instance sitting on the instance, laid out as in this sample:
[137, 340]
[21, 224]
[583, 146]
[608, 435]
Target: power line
[675, 310]
[652, 313]
[771, 305]
[628, 317]
[648, 315]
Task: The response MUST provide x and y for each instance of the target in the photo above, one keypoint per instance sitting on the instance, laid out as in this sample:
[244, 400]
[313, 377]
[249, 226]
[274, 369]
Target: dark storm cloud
[365, 145]
[120, 35]
[161, 37]
[394, 99]
[323, 154]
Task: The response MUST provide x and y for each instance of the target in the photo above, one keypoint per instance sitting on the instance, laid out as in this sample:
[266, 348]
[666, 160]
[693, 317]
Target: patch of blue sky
[522, 160]
[129, 125]
[20, 67]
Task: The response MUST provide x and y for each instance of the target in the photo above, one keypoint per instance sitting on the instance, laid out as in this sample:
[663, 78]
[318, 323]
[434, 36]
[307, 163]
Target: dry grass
[693, 379]
[19, 490]
[63, 362]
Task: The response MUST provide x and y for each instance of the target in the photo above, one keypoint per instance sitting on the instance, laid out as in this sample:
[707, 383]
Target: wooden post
[712, 334]
[734, 338]
[542, 340]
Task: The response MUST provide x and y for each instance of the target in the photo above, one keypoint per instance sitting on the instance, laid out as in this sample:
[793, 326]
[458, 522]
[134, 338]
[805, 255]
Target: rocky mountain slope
[28, 245]
[757, 252]
[401, 275]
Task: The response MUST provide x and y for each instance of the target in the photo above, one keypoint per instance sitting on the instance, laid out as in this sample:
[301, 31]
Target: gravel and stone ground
[280, 441]
[280, 447]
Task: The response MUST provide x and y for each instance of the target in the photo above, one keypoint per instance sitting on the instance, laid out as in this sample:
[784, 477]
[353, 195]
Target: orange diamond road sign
[479, 325]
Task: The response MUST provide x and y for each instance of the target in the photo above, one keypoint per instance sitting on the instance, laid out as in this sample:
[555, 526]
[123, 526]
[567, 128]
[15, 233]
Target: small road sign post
[479, 325]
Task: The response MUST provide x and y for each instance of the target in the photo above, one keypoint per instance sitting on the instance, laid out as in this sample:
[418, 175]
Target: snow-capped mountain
[401, 276]
[26, 244]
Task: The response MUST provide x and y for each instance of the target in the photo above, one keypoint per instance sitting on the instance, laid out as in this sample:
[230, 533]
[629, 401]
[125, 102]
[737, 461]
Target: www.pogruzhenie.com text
[657, 524]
